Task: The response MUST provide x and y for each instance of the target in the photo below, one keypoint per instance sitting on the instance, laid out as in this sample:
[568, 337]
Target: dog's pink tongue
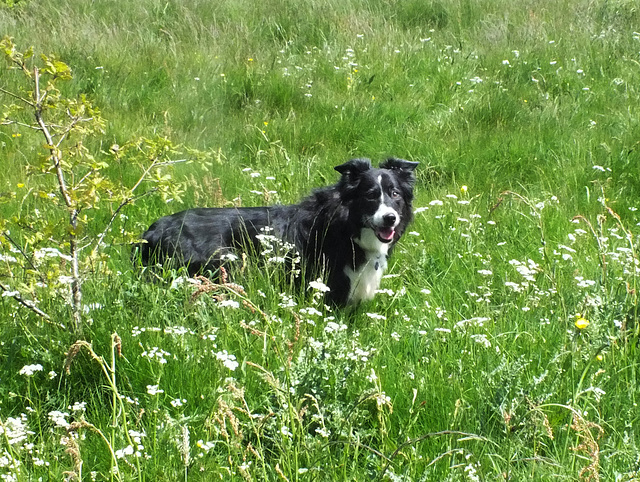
[386, 233]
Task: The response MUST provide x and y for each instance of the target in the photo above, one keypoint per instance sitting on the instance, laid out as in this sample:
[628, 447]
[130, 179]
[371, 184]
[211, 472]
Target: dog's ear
[399, 164]
[354, 167]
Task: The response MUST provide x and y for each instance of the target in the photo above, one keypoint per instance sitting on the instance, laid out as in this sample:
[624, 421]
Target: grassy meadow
[504, 342]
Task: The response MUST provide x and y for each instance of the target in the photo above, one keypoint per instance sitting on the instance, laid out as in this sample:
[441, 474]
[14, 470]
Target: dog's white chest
[365, 280]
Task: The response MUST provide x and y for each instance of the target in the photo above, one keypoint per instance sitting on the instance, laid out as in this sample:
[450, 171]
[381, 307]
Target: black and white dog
[345, 231]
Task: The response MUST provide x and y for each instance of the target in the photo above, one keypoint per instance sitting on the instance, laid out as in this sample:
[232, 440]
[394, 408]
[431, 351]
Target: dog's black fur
[345, 231]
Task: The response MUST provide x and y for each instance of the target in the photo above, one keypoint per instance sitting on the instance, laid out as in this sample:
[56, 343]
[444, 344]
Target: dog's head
[379, 199]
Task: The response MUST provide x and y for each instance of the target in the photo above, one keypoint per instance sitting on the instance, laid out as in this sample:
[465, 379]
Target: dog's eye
[395, 193]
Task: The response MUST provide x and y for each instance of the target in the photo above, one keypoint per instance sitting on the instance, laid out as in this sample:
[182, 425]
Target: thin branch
[171, 163]
[54, 152]
[24, 255]
[6, 291]
[129, 200]
[79, 183]
[40, 101]
[21, 124]
[74, 121]
[144, 175]
[76, 284]
[16, 96]
[155, 163]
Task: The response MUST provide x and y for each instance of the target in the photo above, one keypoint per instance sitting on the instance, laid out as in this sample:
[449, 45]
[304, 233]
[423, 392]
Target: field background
[504, 345]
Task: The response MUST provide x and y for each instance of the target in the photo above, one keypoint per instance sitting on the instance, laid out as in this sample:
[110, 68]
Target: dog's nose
[389, 219]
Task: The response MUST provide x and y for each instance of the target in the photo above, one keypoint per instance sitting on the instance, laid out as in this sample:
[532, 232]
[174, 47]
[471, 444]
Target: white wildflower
[584, 283]
[382, 399]
[122, 453]
[29, 370]
[227, 360]
[442, 330]
[318, 285]
[154, 390]
[15, 431]
[180, 280]
[59, 418]
[481, 339]
[333, 327]
[310, 311]
[229, 304]
[78, 407]
[156, 354]
[376, 316]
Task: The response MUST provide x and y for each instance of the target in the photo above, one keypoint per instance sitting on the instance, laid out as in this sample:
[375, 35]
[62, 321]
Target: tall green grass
[468, 366]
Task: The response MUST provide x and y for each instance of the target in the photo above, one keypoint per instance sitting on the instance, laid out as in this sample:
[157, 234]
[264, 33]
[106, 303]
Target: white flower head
[376, 316]
[227, 360]
[29, 370]
[78, 407]
[229, 304]
[318, 285]
[59, 418]
[154, 390]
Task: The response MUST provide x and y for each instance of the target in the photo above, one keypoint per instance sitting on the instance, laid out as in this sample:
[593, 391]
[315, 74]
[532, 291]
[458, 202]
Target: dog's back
[201, 238]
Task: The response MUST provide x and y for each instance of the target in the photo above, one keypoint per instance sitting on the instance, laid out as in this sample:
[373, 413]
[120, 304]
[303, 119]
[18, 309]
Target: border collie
[345, 231]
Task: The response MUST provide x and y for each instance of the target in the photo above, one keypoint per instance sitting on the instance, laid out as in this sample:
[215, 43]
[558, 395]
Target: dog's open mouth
[385, 234]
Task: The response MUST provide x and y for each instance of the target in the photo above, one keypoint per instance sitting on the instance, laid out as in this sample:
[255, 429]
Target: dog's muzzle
[386, 232]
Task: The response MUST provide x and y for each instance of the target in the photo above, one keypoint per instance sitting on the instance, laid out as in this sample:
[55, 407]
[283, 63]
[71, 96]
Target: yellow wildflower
[581, 322]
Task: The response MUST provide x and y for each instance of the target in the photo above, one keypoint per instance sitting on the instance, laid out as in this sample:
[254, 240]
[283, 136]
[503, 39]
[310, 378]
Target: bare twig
[29, 305]
[24, 255]
[15, 96]
[144, 175]
[74, 121]
[171, 163]
[7, 122]
[129, 200]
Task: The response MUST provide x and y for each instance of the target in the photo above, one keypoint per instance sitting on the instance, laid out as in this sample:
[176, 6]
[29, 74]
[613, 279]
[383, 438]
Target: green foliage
[70, 177]
[10, 3]
[504, 344]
